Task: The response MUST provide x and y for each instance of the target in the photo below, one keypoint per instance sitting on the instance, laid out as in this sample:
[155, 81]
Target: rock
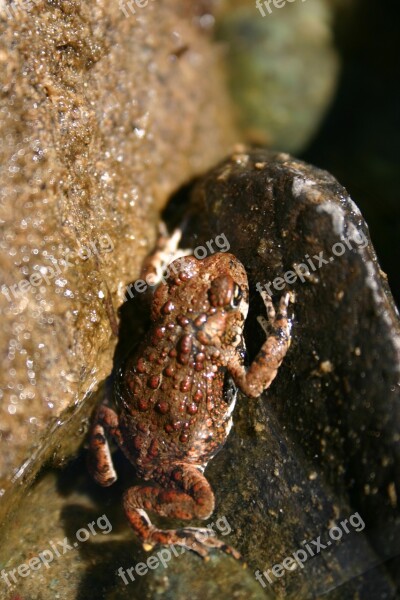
[363, 151]
[61, 505]
[282, 69]
[317, 451]
[96, 97]
[322, 443]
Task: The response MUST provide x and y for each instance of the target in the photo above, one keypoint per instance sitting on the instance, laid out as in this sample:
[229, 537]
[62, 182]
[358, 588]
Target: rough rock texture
[101, 117]
[61, 504]
[320, 445]
[282, 68]
[323, 442]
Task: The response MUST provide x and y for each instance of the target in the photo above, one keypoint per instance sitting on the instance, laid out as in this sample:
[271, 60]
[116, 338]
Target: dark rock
[318, 447]
[323, 441]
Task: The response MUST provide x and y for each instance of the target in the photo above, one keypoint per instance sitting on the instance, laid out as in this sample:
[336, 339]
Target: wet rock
[55, 516]
[364, 151]
[282, 69]
[317, 451]
[94, 100]
[323, 441]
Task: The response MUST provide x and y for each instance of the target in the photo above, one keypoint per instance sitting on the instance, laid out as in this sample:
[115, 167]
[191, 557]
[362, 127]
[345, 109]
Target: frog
[175, 395]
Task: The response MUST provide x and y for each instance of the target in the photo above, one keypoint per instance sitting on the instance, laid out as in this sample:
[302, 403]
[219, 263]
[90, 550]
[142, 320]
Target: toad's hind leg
[99, 459]
[188, 496]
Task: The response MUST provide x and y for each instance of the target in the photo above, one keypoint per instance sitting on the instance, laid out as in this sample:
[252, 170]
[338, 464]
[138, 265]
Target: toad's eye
[237, 295]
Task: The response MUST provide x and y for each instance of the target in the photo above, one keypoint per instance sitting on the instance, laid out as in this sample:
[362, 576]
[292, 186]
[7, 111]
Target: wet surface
[106, 112]
[86, 133]
[336, 396]
[316, 454]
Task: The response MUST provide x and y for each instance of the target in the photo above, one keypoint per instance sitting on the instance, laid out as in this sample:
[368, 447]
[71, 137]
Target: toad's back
[175, 397]
[174, 394]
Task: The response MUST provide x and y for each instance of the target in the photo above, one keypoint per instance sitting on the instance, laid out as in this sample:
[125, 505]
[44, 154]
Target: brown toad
[176, 393]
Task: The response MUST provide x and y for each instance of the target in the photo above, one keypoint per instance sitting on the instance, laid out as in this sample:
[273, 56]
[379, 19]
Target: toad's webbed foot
[189, 496]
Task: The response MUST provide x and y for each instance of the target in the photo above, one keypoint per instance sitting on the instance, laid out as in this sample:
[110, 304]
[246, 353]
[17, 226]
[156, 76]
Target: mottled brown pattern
[175, 394]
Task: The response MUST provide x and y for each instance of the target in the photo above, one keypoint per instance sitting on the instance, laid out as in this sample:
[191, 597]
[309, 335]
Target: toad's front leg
[263, 370]
[155, 267]
[187, 496]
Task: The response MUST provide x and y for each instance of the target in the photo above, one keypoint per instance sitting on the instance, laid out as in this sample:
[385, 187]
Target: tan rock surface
[102, 117]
